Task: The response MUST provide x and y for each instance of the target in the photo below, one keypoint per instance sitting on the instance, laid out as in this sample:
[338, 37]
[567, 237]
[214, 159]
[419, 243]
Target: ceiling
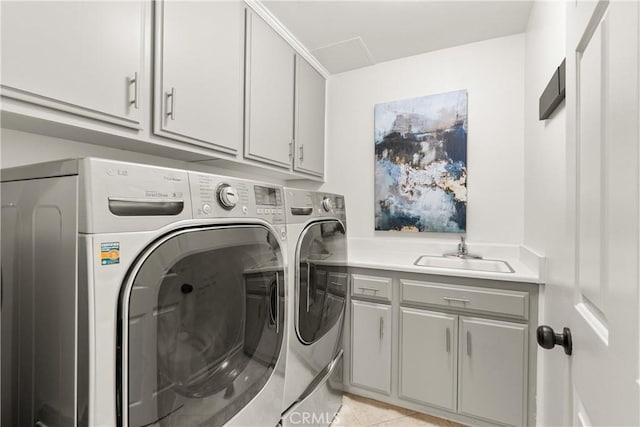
[345, 35]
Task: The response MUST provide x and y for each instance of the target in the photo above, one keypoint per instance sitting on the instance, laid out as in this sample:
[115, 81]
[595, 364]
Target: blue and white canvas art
[421, 163]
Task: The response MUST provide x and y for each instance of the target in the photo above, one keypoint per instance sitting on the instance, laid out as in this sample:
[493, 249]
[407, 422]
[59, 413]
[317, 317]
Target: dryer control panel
[303, 205]
[215, 196]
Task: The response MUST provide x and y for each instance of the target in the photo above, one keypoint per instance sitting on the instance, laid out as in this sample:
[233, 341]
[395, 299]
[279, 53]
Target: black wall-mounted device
[554, 92]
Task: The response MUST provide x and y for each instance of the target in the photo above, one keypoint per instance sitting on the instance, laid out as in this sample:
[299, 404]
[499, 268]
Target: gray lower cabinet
[428, 357]
[461, 348]
[371, 346]
[493, 370]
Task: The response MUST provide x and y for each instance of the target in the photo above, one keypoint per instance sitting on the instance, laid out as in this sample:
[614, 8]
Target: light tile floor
[359, 411]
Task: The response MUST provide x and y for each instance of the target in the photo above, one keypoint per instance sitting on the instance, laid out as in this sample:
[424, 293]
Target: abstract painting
[421, 164]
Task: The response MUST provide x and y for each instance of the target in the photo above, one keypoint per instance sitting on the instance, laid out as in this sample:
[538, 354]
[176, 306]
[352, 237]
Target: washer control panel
[215, 196]
[227, 196]
[269, 200]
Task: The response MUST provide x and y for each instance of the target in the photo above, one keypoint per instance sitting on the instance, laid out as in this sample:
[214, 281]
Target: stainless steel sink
[490, 265]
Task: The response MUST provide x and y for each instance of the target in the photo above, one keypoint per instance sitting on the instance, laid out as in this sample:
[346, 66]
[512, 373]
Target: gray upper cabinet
[428, 357]
[269, 102]
[493, 370]
[310, 119]
[206, 80]
[85, 58]
[199, 67]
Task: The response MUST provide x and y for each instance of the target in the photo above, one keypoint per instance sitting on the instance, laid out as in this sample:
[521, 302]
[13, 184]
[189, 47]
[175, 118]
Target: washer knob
[227, 196]
[327, 204]
[206, 208]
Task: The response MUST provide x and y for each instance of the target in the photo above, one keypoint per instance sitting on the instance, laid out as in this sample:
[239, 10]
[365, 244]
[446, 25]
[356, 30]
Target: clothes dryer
[317, 284]
[141, 295]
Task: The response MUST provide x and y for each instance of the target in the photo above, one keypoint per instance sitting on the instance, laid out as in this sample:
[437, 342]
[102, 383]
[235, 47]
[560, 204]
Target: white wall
[545, 206]
[19, 148]
[493, 73]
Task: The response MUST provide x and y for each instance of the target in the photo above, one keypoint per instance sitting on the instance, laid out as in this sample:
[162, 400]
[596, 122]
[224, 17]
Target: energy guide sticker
[110, 253]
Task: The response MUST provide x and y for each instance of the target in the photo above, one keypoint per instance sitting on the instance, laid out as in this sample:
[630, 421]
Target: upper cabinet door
[269, 95]
[310, 116]
[200, 72]
[85, 58]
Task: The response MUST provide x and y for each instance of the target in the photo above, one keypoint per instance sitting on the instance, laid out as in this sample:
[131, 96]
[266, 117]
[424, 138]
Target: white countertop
[400, 256]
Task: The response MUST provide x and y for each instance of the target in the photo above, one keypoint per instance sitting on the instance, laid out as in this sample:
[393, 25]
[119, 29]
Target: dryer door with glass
[202, 326]
[321, 282]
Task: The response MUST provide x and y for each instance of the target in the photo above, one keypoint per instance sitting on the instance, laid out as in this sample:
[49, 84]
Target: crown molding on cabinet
[258, 7]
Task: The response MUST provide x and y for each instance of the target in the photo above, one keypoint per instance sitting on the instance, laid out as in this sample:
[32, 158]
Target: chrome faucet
[462, 247]
[462, 251]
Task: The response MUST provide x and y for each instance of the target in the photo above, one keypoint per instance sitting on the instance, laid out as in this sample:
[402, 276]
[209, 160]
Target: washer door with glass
[202, 326]
[321, 279]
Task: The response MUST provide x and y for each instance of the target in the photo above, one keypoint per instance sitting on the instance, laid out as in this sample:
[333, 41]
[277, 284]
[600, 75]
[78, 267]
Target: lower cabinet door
[371, 346]
[428, 362]
[493, 370]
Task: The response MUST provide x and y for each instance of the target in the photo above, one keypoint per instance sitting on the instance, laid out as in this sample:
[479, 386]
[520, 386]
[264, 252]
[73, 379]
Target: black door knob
[548, 339]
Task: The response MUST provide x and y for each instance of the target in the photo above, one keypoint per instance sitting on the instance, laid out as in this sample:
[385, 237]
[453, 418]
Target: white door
[428, 357]
[602, 137]
[81, 57]
[269, 95]
[371, 346]
[310, 106]
[200, 72]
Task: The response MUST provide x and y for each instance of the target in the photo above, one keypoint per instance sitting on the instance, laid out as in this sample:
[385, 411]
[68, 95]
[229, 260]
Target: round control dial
[327, 204]
[227, 196]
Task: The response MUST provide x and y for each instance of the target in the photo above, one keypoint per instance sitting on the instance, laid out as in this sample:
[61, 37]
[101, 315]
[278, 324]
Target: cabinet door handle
[135, 84]
[469, 343]
[291, 149]
[301, 152]
[381, 328]
[171, 98]
[448, 340]
[462, 300]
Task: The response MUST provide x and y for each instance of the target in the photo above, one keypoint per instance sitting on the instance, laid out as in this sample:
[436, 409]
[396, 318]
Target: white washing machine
[318, 285]
[136, 295]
